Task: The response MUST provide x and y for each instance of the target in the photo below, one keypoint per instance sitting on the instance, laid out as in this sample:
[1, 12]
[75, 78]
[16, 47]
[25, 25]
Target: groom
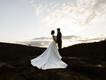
[59, 39]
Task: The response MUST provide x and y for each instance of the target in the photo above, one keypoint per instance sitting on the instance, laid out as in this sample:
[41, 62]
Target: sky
[27, 19]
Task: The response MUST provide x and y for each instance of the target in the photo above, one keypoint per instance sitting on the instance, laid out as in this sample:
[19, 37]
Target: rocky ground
[86, 62]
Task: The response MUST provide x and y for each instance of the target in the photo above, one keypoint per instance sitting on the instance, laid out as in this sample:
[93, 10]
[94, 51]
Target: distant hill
[67, 41]
[12, 53]
[95, 51]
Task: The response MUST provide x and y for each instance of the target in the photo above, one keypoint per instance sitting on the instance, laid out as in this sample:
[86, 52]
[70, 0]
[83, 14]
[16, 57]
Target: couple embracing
[58, 38]
[51, 58]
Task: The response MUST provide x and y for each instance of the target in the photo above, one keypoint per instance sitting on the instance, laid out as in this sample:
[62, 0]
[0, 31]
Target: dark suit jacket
[59, 37]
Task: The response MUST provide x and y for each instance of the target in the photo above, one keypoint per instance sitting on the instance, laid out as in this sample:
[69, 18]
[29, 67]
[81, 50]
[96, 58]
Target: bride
[50, 58]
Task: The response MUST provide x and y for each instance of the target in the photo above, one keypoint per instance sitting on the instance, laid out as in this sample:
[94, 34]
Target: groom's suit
[59, 41]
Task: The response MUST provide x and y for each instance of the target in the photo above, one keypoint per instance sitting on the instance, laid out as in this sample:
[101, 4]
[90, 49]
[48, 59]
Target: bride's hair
[52, 32]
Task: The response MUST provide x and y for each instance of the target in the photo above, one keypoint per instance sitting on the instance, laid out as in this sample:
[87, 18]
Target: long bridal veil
[49, 59]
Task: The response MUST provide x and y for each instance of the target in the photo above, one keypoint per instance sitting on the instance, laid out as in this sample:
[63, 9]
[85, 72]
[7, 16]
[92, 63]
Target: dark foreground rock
[8, 72]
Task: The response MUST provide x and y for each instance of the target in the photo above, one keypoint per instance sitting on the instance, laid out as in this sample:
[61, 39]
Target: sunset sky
[27, 19]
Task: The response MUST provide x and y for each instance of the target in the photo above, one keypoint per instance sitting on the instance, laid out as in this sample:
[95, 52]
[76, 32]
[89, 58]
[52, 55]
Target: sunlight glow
[28, 19]
[71, 16]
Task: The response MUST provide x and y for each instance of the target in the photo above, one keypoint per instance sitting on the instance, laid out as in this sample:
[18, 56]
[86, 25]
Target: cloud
[62, 12]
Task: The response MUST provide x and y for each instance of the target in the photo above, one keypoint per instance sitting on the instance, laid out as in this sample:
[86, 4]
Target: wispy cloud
[79, 11]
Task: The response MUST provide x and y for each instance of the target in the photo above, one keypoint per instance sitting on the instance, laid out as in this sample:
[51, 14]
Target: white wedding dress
[49, 59]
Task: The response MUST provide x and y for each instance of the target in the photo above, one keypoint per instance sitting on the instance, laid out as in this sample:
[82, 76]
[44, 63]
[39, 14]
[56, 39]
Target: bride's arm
[54, 38]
